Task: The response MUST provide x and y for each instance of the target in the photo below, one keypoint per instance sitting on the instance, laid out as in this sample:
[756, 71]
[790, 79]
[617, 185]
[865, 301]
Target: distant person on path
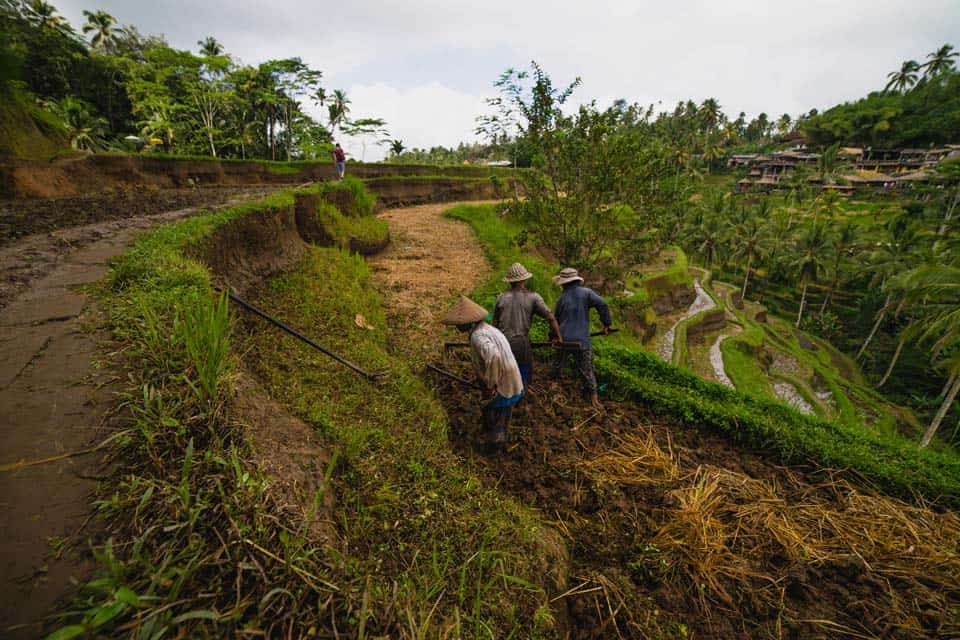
[573, 314]
[339, 161]
[494, 364]
[513, 315]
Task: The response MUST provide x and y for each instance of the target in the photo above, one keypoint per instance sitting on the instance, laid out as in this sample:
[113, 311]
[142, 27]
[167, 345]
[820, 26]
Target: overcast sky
[426, 65]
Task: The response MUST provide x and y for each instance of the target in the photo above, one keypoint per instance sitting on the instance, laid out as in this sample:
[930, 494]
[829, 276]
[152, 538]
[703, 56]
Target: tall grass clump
[201, 546]
[195, 546]
[352, 196]
[444, 554]
[883, 459]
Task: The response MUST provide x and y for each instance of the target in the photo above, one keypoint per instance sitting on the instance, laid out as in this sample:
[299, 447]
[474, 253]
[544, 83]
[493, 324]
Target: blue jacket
[573, 314]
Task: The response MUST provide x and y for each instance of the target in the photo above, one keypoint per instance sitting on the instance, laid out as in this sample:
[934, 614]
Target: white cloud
[423, 64]
[424, 116]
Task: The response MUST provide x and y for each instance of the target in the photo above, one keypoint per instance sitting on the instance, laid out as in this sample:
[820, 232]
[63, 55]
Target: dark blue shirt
[573, 313]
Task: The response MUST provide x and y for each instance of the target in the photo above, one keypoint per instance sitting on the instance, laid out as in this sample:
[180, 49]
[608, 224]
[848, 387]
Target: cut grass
[412, 510]
[884, 459]
[199, 549]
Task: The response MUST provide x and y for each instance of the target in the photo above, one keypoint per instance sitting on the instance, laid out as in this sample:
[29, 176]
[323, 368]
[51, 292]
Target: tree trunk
[946, 387]
[893, 363]
[803, 302]
[876, 325]
[942, 413]
[826, 300]
[746, 278]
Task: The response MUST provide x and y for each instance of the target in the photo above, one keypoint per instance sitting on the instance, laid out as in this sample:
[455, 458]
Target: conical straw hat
[465, 312]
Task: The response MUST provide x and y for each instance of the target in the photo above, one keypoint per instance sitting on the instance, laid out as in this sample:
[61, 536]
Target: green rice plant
[204, 328]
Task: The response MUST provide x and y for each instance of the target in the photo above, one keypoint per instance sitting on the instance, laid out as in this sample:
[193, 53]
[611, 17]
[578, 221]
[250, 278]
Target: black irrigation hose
[373, 377]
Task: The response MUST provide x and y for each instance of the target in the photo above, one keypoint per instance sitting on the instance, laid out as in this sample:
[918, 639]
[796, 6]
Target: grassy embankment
[198, 547]
[881, 458]
[26, 131]
[294, 167]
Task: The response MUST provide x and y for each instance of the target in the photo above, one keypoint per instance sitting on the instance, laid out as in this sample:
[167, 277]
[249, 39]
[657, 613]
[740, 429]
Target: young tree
[365, 128]
[596, 175]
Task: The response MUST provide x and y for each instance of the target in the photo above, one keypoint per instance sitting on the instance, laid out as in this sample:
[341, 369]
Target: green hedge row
[893, 465]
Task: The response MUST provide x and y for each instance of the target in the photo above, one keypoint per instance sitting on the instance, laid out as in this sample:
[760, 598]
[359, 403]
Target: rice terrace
[470, 350]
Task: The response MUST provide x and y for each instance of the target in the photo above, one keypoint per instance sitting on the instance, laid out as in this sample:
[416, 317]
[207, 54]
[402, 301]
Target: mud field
[676, 530]
[19, 218]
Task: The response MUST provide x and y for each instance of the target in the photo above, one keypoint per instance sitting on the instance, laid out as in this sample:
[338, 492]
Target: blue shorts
[500, 402]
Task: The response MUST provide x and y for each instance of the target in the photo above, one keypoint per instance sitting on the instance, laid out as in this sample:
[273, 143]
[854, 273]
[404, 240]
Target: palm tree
[888, 260]
[749, 241]
[710, 112]
[46, 16]
[903, 79]
[708, 238]
[810, 245]
[320, 96]
[101, 24]
[784, 124]
[937, 287]
[396, 147]
[338, 109]
[843, 243]
[210, 47]
[940, 61]
[85, 130]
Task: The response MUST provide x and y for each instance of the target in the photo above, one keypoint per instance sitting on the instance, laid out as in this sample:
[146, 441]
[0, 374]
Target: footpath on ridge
[52, 404]
[430, 259]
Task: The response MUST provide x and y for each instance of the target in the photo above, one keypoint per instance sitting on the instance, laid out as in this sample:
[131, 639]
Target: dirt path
[31, 257]
[430, 260]
[51, 404]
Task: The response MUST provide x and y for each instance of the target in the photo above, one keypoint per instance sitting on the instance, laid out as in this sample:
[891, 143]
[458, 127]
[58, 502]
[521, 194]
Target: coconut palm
[100, 23]
[903, 79]
[85, 129]
[45, 15]
[708, 237]
[320, 96]
[937, 287]
[784, 124]
[843, 242]
[710, 112]
[338, 109]
[396, 147]
[210, 47]
[749, 244]
[940, 61]
[811, 245]
[887, 261]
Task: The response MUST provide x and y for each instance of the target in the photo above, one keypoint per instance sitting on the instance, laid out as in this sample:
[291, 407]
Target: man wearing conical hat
[513, 314]
[573, 314]
[494, 364]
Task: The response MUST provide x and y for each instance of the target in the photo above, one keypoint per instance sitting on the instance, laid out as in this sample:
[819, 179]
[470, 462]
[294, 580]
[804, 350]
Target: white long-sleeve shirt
[493, 360]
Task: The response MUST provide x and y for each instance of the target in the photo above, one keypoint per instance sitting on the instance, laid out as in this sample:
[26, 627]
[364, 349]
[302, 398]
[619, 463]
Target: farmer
[513, 314]
[573, 314]
[339, 161]
[494, 364]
